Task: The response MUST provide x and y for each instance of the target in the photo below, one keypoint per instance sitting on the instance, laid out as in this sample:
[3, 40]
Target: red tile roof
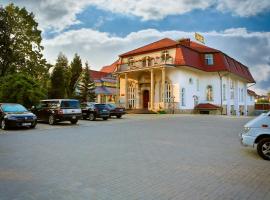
[207, 106]
[97, 74]
[161, 44]
[189, 53]
[110, 68]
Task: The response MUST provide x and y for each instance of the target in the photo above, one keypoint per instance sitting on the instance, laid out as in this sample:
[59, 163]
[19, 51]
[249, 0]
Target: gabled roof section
[97, 74]
[160, 44]
[110, 68]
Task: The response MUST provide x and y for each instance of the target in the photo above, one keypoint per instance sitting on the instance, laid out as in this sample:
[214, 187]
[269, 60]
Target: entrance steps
[140, 111]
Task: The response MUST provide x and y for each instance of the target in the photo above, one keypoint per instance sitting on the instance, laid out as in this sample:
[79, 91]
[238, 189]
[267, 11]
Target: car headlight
[246, 129]
[34, 117]
[10, 117]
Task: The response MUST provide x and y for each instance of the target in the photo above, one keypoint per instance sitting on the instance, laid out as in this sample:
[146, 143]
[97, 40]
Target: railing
[141, 64]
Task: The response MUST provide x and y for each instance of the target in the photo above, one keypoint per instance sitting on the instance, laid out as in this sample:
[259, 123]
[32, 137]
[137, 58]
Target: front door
[145, 98]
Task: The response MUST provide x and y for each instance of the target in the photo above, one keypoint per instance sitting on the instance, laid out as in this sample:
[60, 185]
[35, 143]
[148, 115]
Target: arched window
[183, 97]
[209, 93]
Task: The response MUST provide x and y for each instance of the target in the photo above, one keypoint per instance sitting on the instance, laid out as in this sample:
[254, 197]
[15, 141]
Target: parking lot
[137, 157]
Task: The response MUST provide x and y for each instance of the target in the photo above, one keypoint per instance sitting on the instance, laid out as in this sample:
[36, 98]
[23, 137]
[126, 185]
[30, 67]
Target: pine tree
[86, 86]
[75, 71]
[58, 78]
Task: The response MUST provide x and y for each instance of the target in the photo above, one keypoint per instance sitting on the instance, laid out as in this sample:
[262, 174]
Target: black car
[57, 110]
[16, 115]
[95, 110]
[116, 111]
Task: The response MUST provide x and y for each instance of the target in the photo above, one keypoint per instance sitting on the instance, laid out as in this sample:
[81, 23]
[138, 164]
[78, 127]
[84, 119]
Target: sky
[100, 30]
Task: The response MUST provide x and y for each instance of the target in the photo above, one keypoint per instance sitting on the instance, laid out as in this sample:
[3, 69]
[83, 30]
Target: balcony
[144, 64]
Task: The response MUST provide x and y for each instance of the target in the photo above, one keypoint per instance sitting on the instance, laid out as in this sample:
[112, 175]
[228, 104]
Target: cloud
[58, 14]
[100, 48]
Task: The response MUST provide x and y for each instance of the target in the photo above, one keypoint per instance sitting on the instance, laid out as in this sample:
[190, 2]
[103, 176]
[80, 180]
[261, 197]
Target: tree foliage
[59, 78]
[75, 71]
[20, 42]
[21, 88]
[86, 86]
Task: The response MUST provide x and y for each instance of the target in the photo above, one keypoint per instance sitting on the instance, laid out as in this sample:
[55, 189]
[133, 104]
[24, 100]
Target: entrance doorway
[145, 99]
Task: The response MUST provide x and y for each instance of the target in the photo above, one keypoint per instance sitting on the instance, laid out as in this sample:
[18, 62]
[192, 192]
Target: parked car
[257, 132]
[57, 110]
[92, 111]
[16, 115]
[116, 111]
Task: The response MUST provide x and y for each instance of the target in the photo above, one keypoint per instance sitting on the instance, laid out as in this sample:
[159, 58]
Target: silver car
[257, 133]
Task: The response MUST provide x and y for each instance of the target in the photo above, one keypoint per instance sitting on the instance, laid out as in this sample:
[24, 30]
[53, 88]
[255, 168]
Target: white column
[152, 90]
[126, 91]
[236, 99]
[245, 99]
[228, 92]
[117, 96]
[163, 76]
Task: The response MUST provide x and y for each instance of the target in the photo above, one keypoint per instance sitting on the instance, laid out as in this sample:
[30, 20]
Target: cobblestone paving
[139, 157]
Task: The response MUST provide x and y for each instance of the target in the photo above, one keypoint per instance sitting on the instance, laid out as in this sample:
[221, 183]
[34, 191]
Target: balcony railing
[143, 64]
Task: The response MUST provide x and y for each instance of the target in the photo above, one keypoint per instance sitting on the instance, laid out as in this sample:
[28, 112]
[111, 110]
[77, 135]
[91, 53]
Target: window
[165, 55]
[144, 61]
[209, 59]
[198, 84]
[168, 93]
[130, 61]
[209, 93]
[183, 97]
[224, 92]
[242, 95]
[132, 90]
[190, 81]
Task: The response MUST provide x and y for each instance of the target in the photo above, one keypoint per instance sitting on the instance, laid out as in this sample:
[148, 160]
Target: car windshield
[13, 108]
[112, 105]
[70, 104]
[101, 106]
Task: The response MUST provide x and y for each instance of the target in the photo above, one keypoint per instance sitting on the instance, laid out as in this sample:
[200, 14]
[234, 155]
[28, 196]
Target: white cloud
[59, 14]
[99, 48]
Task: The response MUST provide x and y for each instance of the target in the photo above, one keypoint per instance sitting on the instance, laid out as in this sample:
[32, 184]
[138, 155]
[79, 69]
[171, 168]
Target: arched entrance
[145, 99]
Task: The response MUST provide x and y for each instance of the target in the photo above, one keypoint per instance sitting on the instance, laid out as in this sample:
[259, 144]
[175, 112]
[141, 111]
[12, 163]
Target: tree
[58, 78]
[86, 86]
[75, 71]
[25, 90]
[20, 42]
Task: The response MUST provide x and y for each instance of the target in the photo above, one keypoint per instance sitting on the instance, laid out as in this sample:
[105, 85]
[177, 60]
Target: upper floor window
[165, 55]
[131, 61]
[209, 59]
[209, 93]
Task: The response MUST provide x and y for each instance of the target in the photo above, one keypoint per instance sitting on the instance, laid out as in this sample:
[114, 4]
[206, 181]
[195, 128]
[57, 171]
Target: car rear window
[50, 104]
[70, 104]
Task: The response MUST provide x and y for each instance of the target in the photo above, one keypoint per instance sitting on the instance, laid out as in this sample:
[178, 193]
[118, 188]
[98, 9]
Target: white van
[257, 132]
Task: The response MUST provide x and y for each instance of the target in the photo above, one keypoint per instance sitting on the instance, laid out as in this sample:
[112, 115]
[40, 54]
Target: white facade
[147, 81]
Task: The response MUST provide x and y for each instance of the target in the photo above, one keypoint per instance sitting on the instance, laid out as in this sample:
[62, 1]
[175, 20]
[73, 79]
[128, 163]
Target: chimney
[184, 41]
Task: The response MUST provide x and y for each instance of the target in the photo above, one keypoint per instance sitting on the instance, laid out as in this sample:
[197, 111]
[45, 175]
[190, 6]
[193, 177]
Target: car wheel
[51, 120]
[33, 125]
[3, 125]
[105, 118]
[92, 117]
[119, 116]
[74, 121]
[263, 148]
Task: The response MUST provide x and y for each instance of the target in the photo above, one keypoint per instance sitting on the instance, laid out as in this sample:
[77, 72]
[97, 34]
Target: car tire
[3, 125]
[33, 125]
[105, 118]
[52, 120]
[263, 148]
[119, 116]
[92, 117]
[74, 121]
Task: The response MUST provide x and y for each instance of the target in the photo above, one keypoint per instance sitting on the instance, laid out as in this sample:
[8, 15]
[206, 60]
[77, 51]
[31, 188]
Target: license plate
[73, 117]
[26, 124]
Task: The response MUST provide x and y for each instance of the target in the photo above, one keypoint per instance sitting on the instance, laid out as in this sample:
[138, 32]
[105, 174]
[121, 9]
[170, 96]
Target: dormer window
[130, 61]
[165, 55]
[209, 59]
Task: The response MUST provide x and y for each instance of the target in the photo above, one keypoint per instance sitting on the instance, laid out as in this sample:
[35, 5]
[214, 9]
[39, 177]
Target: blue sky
[100, 30]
